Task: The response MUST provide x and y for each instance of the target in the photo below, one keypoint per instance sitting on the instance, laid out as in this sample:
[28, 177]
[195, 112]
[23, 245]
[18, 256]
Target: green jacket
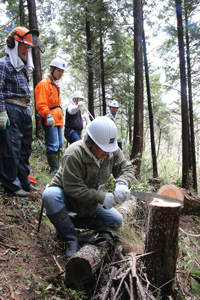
[121, 131]
[83, 180]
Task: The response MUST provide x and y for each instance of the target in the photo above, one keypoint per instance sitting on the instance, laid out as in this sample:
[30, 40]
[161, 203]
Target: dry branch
[122, 280]
[107, 288]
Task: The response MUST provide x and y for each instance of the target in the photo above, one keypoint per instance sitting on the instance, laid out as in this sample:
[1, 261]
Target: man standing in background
[48, 101]
[73, 118]
[121, 131]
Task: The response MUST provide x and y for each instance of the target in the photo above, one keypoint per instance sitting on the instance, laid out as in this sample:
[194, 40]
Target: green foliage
[69, 293]
[27, 258]
[195, 283]
[30, 281]
[110, 185]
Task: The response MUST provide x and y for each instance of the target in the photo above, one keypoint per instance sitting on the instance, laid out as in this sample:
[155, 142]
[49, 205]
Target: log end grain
[78, 270]
[171, 190]
[83, 264]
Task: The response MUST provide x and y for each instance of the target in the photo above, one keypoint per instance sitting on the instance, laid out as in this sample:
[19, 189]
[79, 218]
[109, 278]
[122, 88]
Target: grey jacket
[83, 180]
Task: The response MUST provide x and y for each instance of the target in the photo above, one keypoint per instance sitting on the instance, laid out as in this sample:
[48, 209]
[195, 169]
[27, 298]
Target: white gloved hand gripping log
[122, 192]
[109, 201]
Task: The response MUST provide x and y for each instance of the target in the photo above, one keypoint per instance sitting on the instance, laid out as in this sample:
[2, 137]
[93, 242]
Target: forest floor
[32, 264]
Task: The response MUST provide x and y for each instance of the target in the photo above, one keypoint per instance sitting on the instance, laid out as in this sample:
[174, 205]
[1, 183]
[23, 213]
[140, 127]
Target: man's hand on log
[122, 192]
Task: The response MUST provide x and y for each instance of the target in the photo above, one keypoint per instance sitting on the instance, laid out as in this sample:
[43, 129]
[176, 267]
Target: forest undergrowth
[32, 264]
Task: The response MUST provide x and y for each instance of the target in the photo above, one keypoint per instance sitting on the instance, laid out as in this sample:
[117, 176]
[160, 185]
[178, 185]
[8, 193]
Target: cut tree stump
[83, 264]
[162, 239]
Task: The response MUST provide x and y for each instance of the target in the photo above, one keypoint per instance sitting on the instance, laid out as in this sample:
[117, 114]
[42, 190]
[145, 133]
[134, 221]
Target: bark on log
[162, 239]
[127, 209]
[84, 263]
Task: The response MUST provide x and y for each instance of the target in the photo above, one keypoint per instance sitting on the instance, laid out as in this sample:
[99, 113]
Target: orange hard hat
[26, 36]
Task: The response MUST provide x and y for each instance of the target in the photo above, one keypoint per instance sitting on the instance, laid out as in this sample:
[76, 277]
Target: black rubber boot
[53, 161]
[65, 230]
[84, 223]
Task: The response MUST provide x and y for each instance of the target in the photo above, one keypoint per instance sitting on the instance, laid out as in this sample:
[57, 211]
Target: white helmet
[58, 63]
[103, 132]
[114, 104]
[78, 94]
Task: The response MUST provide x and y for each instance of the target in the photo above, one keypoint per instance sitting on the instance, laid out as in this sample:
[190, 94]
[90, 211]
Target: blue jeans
[54, 199]
[73, 136]
[53, 138]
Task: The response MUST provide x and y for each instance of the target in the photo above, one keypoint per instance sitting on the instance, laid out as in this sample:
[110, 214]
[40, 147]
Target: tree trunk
[184, 106]
[84, 263]
[21, 9]
[137, 147]
[102, 76]
[190, 107]
[90, 67]
[37, 74]
[153, 150]
[162, 240]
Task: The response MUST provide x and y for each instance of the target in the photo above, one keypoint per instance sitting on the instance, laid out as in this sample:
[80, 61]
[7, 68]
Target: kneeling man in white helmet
[78, 185]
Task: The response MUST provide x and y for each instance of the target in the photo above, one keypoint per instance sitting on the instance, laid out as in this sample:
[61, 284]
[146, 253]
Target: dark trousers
[72, 135]
[15, 148]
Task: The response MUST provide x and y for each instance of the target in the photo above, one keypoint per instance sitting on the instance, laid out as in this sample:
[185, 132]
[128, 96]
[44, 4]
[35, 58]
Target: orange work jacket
[48, 100]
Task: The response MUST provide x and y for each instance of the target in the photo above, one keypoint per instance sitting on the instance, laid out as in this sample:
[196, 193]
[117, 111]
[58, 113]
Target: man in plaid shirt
[15, 114]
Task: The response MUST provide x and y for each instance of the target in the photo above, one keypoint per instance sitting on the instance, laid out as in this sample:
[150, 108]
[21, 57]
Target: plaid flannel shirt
[13, 84]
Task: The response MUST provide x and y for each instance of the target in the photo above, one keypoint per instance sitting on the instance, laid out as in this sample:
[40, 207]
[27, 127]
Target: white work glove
[4, 120]
[109, 201]
[124, 142]
[122, 192]
[50, 120]
[80, 104]
[86, 118]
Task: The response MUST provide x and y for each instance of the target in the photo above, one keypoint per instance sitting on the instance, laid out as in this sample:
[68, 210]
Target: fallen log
[162, 239]
[138, 208]
[127, 209]
[191, 200]
[83, 264]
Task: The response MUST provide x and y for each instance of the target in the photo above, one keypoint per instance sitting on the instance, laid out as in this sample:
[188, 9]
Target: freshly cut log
[191, 200]
[84, 263]
[171, 190]
[162, 239]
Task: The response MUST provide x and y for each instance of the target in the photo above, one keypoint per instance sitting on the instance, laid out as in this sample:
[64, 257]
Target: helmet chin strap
[53, 72]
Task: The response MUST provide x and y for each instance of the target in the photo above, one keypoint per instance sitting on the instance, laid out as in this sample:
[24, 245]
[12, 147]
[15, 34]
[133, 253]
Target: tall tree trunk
[130, 114]
[184, 106]
[190, 106]
[21, 9]
[137, 147]
[90, 68]
[37, 74]
[153, 150]
[102, 76]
